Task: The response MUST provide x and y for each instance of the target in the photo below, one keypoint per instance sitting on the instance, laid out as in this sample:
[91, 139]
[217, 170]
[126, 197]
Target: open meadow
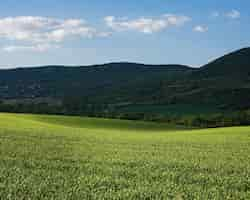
[58, 157]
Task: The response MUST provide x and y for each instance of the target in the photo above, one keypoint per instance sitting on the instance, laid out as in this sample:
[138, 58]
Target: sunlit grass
[55, 157]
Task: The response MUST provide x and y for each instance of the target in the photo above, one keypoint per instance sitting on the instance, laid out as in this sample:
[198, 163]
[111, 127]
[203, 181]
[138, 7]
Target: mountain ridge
[222, 83]
[244, 49]
[230, 62]
[113, 64]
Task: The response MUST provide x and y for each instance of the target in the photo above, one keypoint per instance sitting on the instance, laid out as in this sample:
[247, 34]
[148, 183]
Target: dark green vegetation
[51, 157]
[133, 91]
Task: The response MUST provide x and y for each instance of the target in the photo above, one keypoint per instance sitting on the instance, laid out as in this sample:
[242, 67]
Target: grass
[54, 157]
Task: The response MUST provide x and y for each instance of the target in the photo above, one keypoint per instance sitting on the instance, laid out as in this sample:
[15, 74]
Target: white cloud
[201, 29]
[34, 48]
[233, 14]
[145, 25]
[215, 14]
[41, 31]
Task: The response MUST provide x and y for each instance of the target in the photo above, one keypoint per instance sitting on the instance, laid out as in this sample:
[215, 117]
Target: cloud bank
[41, 32]
[146, 25]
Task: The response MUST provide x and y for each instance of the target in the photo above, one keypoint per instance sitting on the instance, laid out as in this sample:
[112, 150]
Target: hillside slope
[59, 81]
[223, 83]
[234, 63]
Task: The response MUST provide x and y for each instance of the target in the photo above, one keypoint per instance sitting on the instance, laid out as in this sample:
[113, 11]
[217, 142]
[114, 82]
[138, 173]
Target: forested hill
[222, 84]
[119, 80]
[234, 63]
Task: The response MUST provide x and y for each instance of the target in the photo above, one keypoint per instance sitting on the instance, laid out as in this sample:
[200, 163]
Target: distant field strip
[58, 157]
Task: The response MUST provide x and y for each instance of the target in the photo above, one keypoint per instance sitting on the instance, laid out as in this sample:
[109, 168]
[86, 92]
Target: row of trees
[236, 118]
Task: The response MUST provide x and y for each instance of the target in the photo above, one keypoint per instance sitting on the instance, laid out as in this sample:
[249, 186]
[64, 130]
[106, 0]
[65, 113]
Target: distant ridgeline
[217, 94]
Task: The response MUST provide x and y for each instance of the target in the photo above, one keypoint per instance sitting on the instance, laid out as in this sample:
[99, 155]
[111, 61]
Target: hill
[234, 63]
[226, 81]
[221, 85]
[60, 81]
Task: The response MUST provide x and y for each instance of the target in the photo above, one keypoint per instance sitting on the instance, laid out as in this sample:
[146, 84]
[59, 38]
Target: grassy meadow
[56, 157]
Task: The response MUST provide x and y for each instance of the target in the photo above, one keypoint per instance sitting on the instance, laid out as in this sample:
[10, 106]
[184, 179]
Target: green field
[53, 157]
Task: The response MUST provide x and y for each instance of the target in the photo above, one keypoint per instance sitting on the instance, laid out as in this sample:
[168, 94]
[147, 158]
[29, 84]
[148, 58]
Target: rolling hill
[222, 84]
[60, 81]
[234, 63]
[60, 157]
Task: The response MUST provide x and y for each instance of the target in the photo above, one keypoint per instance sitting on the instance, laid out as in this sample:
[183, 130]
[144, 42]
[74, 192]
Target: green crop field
[55, 157]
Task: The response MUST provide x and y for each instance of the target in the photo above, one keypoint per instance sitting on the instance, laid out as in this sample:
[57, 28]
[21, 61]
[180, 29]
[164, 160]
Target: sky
[81, 32]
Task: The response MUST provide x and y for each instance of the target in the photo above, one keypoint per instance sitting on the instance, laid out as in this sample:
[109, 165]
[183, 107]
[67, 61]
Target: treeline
[40, 108]
[224, 119]
[227, 119]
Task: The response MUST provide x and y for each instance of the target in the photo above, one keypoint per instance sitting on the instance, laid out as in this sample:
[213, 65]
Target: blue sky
[79, 32]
